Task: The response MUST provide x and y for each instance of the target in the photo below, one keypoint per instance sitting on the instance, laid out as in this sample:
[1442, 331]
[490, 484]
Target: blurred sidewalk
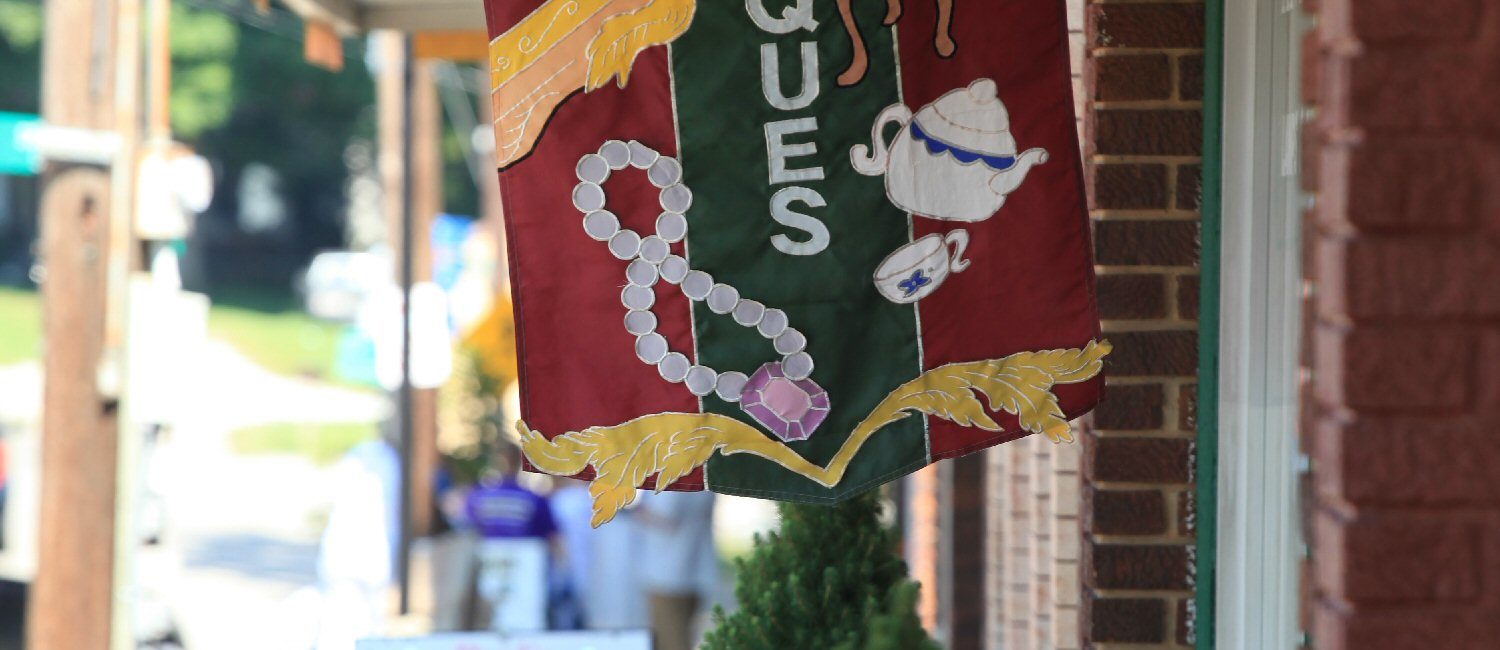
[241, 532]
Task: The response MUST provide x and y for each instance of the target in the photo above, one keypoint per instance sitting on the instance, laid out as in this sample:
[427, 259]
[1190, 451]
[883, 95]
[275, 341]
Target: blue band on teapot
[938, 147]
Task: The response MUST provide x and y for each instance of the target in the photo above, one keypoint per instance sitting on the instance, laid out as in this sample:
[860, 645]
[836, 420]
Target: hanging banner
[790, 249]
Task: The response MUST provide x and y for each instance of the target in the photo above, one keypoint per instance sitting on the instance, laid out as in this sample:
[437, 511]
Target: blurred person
[572, 510]
[679, 566]
[518, 539]
[357, 555]
[614, 598]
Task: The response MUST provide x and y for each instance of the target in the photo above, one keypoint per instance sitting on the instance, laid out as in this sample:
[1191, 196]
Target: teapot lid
[973, 119]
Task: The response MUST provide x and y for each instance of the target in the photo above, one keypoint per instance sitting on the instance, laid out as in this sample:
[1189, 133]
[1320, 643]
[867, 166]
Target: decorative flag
[790, 249]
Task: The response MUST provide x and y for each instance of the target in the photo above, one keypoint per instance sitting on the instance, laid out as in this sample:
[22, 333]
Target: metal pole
[406, 394]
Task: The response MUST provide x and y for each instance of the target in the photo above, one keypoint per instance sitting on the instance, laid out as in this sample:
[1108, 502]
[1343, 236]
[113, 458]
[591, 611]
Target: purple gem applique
[791, 409]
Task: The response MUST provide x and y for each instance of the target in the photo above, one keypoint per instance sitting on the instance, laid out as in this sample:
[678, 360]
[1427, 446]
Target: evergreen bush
[828, 579]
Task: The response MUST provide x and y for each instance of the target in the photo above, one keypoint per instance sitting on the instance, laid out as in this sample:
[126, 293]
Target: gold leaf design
[671, 445]
[623, 37]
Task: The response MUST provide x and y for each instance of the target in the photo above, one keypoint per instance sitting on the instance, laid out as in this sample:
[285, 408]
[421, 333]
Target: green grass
[271, 330]
[321, 443]
[285, 342]
[20, 325]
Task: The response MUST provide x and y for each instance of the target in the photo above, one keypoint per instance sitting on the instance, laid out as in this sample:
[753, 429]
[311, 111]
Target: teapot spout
[1003, 183]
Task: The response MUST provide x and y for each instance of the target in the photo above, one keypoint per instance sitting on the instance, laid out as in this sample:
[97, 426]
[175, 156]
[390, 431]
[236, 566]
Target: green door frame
[1211, 210]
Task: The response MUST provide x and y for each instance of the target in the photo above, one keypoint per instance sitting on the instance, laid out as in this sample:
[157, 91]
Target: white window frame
[1260, 543]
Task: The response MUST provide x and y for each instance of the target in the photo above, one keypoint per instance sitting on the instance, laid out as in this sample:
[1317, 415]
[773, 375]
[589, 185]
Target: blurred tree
[21, 52]
[828, 579]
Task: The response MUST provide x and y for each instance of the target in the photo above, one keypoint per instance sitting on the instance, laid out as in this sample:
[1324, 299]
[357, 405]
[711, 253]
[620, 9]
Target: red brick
[1120, 566]
[1185, 622]
[1391, 277]
[1160, 353]
[1187, 512]
[1130, 406]
[1140, 460]
[1190, 77]
[1146, 243]
[1164, 25]
[1386, 559]
[1126, 512]
[1447, 89]
[1401, 186]
[1131, 77]
[1384, 22]
[1129, 620]
[1393, 369]
[1129, 187]
[1132, 296]
[1187, 405]
[1189, 188]
[1187, 297]
[1395, 463]
[1407, 628]
[1148, 132]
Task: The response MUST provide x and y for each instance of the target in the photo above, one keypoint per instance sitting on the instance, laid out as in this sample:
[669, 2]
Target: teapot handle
[875, 164]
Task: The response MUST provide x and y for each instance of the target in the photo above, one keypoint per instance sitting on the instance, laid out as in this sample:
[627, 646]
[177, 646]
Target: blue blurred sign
[18, 153]
[449, 232]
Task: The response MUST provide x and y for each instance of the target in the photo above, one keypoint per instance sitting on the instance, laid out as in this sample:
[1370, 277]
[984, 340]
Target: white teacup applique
[954, 160]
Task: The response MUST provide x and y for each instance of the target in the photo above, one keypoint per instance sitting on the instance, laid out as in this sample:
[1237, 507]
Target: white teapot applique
[954, 160]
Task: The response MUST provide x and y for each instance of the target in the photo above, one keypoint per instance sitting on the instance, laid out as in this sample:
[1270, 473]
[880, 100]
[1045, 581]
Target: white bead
[639, 298]
[697, 284]
[675, 198]
[723, 299]
[640, 323]
[616, 153]
[671, 226]
[625, 244]
[790, 341]
[798, 366]
[593, 169]
[654, 249]
[641, 156]
[674, 367]
[601, 225]
[749, 313]
[700, 380]
[664, 172]
[588, 197]
[641, 273]
[674, 269]
[772, 323]
[651, 348]
[730, 385]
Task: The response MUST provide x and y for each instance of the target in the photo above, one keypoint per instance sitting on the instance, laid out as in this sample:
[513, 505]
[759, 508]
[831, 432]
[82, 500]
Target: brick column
[1143, 141]
[1403, 248]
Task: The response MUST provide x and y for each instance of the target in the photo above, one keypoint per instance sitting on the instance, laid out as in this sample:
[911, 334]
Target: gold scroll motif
[566, 46]
[670, 445]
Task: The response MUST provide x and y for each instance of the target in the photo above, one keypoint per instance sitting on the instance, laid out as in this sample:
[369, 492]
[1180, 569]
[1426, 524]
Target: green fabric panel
[863, 345]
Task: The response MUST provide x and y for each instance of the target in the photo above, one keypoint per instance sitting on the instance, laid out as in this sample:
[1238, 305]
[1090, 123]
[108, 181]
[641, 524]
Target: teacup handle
[874, 164]
[959, 239]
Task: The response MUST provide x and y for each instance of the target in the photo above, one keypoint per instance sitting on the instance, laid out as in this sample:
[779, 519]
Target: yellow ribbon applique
[670, 445]
[565, 46]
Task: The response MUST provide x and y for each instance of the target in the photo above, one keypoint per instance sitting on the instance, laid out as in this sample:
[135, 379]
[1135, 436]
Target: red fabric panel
[578, 364]
[1031, 286]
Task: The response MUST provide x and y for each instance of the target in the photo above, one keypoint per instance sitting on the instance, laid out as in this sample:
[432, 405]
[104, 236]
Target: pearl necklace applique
[781, 394]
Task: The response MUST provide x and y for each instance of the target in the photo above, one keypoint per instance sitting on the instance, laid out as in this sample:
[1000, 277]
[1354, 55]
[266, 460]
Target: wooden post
[91, 80]
[427, 202]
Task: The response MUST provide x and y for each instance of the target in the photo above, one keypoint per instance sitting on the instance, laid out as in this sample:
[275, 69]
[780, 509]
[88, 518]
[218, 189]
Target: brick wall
[1143, 141]
[1402, 418]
